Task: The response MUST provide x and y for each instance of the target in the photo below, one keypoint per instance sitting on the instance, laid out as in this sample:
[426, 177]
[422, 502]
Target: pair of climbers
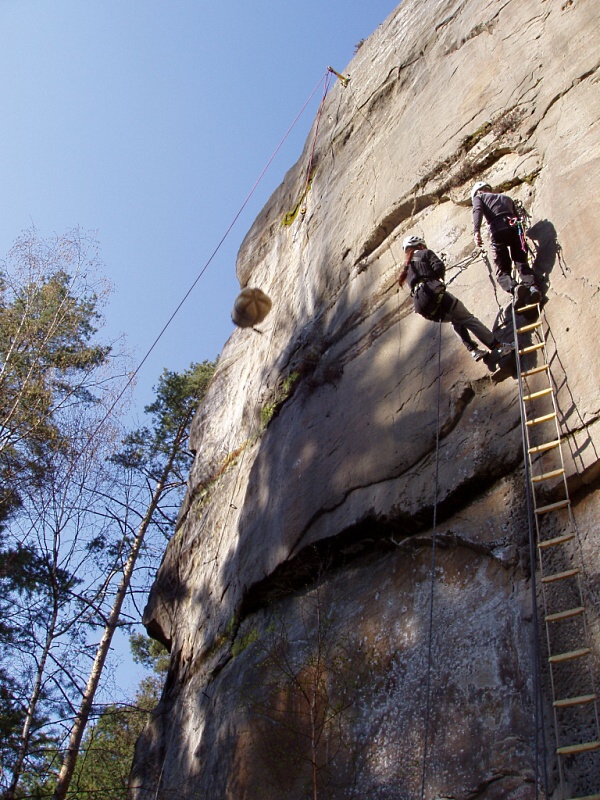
[425, 272]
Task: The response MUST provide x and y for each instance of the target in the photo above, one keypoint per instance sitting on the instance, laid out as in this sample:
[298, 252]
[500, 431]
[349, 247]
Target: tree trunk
[17, 769]
[70, 759]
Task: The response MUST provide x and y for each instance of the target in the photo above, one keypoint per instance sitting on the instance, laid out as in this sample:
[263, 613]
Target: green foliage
[282, 393]
[105, 760]
[149, 653]
[244, 641]
[106, 754]
[69, 513]
[177, 398]
[49, 312]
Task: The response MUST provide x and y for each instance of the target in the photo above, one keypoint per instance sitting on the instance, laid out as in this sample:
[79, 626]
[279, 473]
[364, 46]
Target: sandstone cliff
[295, 595]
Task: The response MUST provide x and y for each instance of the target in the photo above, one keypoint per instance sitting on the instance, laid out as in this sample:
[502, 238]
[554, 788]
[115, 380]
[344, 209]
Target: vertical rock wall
[296, 594]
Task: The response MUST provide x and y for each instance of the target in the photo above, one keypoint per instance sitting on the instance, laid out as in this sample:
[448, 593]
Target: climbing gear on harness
[251, 306]
[428, 295]
[412, 241]
[478, 186]
[504, 349]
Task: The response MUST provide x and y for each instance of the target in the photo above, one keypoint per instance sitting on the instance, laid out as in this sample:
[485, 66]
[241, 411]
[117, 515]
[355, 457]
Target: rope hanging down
[289, 218]
[432, 570]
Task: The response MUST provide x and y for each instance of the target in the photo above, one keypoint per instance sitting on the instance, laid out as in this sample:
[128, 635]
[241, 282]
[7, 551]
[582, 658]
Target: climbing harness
[553, 533]
[435, 296]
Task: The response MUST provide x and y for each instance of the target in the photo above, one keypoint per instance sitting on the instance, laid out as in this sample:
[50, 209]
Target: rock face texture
[312, 654]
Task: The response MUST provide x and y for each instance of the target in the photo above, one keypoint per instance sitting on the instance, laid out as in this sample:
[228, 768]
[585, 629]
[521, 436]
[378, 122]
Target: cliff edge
[295, 596]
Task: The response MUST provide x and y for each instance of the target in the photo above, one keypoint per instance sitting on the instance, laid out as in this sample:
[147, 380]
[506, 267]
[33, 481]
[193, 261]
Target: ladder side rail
[571, 520]
[541, 344]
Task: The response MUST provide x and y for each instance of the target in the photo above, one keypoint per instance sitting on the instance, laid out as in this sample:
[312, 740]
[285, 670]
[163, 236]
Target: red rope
[314, 141]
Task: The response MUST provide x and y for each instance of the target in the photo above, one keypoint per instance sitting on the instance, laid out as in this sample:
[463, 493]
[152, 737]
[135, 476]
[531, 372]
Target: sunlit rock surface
[296, 594]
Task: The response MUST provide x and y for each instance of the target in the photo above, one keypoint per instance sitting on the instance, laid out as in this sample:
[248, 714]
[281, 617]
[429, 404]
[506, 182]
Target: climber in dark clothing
[507, 245]
[425, 273]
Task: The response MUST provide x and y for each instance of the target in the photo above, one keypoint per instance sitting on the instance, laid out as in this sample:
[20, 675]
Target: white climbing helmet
[478, 186]
[412, 241]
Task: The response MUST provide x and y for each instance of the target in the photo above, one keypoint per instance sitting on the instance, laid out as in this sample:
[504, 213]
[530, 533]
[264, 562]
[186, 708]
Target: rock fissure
[335, 500]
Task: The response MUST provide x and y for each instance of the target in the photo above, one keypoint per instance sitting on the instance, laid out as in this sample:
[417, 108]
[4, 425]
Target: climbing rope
[462, 265]
[432, 569]
[289, 218]
[96, 431]
[309, 176]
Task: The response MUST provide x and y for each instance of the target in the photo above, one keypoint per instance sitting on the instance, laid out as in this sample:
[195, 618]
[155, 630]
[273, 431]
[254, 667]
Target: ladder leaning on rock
[560, 564]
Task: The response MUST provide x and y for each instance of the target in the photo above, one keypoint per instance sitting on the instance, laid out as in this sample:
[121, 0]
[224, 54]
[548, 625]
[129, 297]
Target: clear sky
[148, 122]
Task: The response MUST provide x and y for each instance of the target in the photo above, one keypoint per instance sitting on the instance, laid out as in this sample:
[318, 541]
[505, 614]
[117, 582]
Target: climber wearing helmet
[425, 273]
[506, 242]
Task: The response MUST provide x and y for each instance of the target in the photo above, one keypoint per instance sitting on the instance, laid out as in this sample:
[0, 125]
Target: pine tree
[158, 453]
[56, 382]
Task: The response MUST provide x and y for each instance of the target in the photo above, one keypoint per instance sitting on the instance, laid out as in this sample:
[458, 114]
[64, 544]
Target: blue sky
[147, 122]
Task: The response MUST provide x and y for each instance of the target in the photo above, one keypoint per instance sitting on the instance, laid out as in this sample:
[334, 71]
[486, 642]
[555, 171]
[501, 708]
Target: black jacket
[425, 276]
[496, 208]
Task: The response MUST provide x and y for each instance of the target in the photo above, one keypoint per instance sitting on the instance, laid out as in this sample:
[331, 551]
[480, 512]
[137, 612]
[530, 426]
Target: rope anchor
[345, 79]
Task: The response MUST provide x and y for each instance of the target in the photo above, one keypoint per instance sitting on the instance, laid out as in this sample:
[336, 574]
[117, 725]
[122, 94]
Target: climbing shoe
[477, 354]
[522, 295]
[534, 294]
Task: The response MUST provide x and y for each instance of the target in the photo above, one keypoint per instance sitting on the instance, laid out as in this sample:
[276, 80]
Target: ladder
[574, 699]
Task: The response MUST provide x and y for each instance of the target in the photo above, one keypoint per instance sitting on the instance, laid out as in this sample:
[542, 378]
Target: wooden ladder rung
[572, 749]
[575, 701]
[531, 327]
[560, 576]
[572, 654]
[571, 612]
[539, 420]
[554, 507]
[531, 349]
[556, 541]
[547, 476]
[530, 307]
[541, 448]
[536, 395]
[535, 371]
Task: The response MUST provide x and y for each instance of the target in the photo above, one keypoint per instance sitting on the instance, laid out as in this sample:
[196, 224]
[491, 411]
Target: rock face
[312, 654]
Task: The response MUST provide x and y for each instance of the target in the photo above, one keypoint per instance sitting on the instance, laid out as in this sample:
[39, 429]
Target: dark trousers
[506, 248]
[463, 322]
